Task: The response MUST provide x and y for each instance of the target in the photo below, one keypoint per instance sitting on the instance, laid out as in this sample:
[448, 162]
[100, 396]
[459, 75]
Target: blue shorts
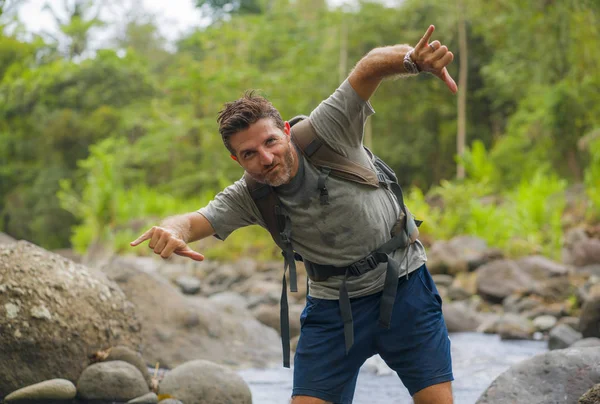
[416, 346]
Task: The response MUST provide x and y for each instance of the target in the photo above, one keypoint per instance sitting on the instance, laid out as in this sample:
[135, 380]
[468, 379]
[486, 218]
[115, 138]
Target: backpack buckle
[285, 237]
[363, 265]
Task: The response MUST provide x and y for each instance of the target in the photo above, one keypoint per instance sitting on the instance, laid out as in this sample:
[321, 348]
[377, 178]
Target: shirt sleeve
[340, 120]
[232, 209]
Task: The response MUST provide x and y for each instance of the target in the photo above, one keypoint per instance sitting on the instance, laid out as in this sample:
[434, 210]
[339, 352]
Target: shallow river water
[476, 360]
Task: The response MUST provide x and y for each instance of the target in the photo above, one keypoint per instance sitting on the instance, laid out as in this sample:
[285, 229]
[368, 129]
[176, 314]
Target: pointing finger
[196, 256]
[425, 40]
[445, 76]
[147, 235]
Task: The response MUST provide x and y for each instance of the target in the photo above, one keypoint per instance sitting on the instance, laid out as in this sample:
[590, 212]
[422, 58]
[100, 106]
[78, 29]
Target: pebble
[150, 398]
[55, 389]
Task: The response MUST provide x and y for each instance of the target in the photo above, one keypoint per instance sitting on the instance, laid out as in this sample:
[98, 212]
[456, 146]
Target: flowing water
[477, 359]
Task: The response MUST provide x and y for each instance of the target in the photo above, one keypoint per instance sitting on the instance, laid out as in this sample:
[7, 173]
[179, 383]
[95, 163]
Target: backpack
[278, 223]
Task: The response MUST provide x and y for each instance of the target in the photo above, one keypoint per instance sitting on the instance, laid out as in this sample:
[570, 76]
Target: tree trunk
[462, 90]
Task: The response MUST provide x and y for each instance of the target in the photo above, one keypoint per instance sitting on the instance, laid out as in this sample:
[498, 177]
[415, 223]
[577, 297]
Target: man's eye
[247, 155]
[272, 140]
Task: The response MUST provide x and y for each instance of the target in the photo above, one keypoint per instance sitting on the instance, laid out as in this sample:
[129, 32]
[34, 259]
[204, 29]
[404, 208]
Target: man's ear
[287, 128]
[233, 157]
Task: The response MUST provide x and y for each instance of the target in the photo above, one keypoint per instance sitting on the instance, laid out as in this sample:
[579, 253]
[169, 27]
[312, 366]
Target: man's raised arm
[389, 61]
[173, 234]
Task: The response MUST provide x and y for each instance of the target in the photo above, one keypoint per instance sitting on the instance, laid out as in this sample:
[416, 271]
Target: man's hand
[166, 242]
[433, 58]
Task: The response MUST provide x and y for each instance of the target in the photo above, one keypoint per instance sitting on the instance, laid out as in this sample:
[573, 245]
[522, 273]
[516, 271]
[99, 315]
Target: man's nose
[266, 158]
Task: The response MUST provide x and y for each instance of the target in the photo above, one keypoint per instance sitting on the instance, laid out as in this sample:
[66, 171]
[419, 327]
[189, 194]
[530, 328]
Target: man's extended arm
[173, 234]
[385, 62]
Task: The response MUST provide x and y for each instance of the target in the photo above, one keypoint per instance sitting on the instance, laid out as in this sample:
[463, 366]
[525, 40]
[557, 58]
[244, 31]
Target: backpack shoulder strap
[266, 201]
[321, 155]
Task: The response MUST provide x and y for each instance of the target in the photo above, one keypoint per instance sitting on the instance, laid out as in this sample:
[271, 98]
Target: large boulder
[592, 396]
[6, 239]
[589, 321]
[560, 376]
[539, 266]
[513, 326]
[461, 254]
[562, 336]
[579, 249]
[203, 382]
[54, 315]
[499, 279]
[269, 316]
[178, 328]
[461, 317]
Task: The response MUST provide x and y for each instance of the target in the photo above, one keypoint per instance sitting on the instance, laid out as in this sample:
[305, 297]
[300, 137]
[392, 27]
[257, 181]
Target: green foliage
[130, 133]
[525, 220]
[592, 175]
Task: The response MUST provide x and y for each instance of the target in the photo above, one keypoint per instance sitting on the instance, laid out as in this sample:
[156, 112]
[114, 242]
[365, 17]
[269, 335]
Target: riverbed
[477, 359]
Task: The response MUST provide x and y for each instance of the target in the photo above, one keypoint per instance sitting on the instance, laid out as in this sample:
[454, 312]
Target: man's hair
[240, 114]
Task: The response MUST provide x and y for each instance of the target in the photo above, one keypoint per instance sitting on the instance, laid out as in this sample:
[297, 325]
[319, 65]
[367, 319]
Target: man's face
[266, 152]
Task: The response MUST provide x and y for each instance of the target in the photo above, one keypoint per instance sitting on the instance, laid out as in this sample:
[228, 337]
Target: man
[354, 221]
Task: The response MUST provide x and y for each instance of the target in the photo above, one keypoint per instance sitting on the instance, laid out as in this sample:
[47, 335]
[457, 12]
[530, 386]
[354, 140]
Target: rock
[466, 281]
[461, 254]
[55, 389]
[269, 315]
[560, 376]
[294, 343]
[222, 279]
[562, 336]
[54, 314]
[6, 239]
[125, 354]
[458, 293]
[579, 249]
[246, 267]
[114, 380]
[378, 366]
[150, 398]
[489, 324]
[499, 279]
[572, 322]
[178, 328]
[544, 323]
[592, 396]
[231, 302]
[557, 289]
[540, 267]
[512, 326]
[516, 303]
[204, 382]
[589, 321]
[592, 270]
[442, 280]
[589, 289]
[586, 343]
[460, 317]
[69, 254]
[189, 285]
[557, 310]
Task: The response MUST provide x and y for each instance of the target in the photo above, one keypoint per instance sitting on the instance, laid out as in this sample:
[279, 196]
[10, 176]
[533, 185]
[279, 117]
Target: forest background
[96, 145]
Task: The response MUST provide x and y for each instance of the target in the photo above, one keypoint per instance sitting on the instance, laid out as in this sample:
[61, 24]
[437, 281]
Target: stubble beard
[284, 172]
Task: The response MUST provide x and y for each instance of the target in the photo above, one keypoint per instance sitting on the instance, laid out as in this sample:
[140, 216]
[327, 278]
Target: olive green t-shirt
[357, 220]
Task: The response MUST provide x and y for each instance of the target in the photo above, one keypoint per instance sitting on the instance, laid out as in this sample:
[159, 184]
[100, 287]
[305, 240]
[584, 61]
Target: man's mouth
[270, 170]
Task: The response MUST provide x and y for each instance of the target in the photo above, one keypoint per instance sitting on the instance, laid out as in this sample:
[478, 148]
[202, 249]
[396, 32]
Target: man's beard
[284, 171]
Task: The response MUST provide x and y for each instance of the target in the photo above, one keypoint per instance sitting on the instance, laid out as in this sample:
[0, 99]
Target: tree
[82, 16]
